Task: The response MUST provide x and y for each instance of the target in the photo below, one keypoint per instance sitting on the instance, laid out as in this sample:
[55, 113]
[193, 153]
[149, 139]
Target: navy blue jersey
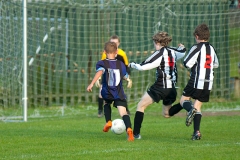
[113, 73]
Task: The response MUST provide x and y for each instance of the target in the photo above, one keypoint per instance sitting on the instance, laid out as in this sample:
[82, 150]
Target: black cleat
[190, 116]
[196, 136]
[100, 113]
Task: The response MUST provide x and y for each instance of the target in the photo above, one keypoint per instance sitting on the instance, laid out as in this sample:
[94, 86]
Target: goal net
[65, 40]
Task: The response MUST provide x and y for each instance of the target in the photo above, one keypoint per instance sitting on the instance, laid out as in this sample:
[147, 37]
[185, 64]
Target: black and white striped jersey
[164, 60]
[201, 59]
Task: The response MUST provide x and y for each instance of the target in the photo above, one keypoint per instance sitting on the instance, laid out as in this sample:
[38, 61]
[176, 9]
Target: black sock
[100, 104]
[175, 109]
[187, 105]
[127, 121]
[107, 112]
[197, 121]
[138, 119]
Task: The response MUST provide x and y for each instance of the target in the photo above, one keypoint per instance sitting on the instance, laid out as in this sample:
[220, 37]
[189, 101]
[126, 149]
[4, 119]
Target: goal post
[65, 40]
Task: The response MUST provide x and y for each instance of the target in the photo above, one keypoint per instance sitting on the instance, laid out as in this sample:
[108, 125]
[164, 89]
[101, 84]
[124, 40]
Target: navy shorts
[199, 94]
[117, 102]
[157, 93]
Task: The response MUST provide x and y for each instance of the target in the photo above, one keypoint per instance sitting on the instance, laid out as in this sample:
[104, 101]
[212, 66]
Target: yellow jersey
[121, 55]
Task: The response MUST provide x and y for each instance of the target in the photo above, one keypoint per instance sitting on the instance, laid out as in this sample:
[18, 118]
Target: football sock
[175, 109]
[187, 105]
[127, 121]
[100, 104]
[197, 121]
[138, 122]
[107, 112]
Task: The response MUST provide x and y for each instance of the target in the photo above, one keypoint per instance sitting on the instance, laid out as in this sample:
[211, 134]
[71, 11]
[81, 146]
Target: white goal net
[65, 39]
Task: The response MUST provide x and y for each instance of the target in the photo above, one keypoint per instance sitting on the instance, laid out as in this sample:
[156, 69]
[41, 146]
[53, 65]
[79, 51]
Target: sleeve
[215, 62]
[104, 56]
[180, 52]
[150, 63]
[124, 56]
[100, 66]
[191, 58]
[125, 59]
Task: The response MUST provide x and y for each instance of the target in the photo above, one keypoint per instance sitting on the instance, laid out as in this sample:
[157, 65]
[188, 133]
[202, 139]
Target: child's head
[202, 32]
[162, 39]
[110, 48]
[115, 39]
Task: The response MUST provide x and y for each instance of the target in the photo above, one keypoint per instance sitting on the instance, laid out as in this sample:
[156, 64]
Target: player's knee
[187, 102]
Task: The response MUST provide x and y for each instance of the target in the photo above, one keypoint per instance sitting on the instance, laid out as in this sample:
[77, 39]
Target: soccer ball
[118, 126]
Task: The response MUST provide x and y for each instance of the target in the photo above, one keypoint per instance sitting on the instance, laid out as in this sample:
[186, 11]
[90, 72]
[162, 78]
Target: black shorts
[157, 93]
[117, 102]
[199, 94]
[171, 97]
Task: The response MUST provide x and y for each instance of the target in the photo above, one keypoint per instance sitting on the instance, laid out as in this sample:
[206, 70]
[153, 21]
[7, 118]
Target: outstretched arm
[96, 77]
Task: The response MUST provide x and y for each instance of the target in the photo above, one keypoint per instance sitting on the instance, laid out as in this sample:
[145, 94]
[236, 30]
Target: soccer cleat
[138, 136]
[100, 114]
[107, 126]
[190, 116]
[196, 135]
[130, 134]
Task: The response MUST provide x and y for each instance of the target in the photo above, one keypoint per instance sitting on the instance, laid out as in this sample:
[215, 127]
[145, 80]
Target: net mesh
[66, 38]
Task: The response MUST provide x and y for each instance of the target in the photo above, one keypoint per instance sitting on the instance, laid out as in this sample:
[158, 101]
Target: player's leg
[121, 106]
[188, 106]
[203, 96]
[168, 101]
[108, 116]
[165, 111]
[196, 121]
[185, 101]
[145, 101]
[100, 103]
[175, 109]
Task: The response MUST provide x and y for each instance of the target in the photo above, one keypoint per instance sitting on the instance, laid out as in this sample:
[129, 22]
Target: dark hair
[115, 37]
[163, 38]
[202, 31]
[110, 47]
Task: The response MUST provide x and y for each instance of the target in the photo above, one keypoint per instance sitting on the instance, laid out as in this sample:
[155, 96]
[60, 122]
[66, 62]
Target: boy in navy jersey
[113, 72]
[122, 56]
[164, 61]
[201, 60]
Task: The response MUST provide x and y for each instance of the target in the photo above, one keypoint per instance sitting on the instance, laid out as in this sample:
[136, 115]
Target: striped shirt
[113, 73]
[164, 60]
[201, 59]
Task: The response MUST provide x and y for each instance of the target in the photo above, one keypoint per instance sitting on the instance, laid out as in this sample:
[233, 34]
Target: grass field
[80, 137]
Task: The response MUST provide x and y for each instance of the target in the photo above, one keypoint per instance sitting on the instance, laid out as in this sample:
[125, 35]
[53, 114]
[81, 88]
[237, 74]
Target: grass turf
[81, 137]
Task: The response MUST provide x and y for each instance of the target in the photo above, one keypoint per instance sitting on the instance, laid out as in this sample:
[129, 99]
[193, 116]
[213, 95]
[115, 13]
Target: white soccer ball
[118, 126]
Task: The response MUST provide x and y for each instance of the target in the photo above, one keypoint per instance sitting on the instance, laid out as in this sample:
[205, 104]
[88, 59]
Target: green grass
[80, 137]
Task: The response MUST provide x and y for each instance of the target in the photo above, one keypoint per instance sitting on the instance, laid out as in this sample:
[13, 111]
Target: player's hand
[181, 45]
[132, 65]
[97, 83]
[89, 88]
[129, 85]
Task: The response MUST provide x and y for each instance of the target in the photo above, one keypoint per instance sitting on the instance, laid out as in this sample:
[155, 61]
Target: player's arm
[96, 77]
[127, 78]
[191, 58]
[180, 51]
[215, 62]
[146, 65]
